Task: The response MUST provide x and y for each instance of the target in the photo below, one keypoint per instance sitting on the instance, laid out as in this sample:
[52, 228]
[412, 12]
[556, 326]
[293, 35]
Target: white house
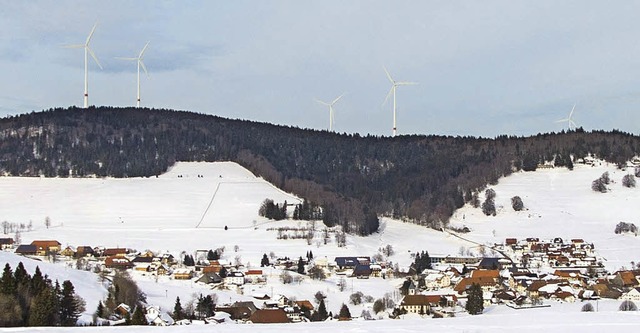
[631, 295]
[234, 278]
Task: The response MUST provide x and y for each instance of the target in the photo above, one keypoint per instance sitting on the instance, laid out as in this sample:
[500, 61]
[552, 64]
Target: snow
[560, 203]
[162, 214]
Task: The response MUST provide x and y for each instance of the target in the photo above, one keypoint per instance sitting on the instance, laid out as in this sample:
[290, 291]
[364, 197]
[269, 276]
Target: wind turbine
[330, 105]
[394, 85]
[569, 120]
[138, 59]
[87, 51]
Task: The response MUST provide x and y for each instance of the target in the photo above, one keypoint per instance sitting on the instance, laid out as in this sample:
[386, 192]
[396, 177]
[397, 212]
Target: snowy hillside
[162, 213]
[187, 208]
[560, 203]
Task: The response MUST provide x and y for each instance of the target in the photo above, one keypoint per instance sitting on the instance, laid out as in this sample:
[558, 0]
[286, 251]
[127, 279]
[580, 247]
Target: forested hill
[419, 178]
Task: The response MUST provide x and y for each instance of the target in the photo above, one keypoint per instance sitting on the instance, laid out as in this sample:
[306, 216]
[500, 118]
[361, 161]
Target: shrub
[628, 306]
[629, 181]
[598, 185]
[517, 204]
[587, 308]
[356, 298]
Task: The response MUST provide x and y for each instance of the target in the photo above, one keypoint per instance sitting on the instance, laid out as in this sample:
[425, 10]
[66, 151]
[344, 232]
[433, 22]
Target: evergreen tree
[321, 314]
[38, 282]
[7, 282]
[178, 312]
[265, 261]
[21, 275]
[71, 305]
[310, 255]
[138, 317]
[344, 313]
[211, 255]
[475, 304]
[44, 308]
[300, 266]
[100, 310]
[223, 272]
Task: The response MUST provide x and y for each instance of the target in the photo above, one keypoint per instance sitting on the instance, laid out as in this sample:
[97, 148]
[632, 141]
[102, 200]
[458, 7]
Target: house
[351, 262]
[6, 243]
[214, 267]
[304, 305]
[114, 252]
[239, 310]
[572, 276]
[44, 247]
[142, 263]
[210, 278]
[234, 278]
[68, 251]
[362, 271]
[486, 283]
[26, 250]
[489, 263]
[511, 241]
[420, 304]
[122, 310]
[156, 318]
[631, 295]
[255, 276]
[625, 279]
[182, 274]
[117, 262]
[269, 316]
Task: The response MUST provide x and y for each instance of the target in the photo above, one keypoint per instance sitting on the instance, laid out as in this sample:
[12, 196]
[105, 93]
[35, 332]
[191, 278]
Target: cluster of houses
[531, 271]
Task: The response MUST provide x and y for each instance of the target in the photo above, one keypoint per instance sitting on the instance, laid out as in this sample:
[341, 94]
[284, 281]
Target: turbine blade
[91, 33]
[388, 94]
[93, 55]
[126, 58]
[388, 75]
[143, 66]
[406, 83]
[561, 120]
[573, 108]
[321, 102]
[335, 100]
[143, 49]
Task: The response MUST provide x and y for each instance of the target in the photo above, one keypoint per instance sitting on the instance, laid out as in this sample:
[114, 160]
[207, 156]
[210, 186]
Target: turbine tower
[569, 120]
[138, 59]
[394, 85]
[330, 105]
[87, 51]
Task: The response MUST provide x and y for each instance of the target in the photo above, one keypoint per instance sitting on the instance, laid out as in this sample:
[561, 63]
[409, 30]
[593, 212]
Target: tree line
[27, 300]
[355, 179]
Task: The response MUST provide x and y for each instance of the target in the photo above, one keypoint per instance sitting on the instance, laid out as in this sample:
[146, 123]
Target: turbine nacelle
[569, 120]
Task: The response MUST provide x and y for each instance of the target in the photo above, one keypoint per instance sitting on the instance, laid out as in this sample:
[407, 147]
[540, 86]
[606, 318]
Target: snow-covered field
[187, 208]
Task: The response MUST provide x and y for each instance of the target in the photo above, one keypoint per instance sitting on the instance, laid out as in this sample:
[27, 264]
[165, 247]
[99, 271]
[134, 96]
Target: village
[519, 273]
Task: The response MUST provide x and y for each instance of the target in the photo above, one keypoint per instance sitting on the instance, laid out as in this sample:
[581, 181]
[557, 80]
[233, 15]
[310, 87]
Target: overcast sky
[484, 68]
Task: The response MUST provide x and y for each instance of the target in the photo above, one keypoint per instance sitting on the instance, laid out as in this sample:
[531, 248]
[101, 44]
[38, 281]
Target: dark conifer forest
[355, 179]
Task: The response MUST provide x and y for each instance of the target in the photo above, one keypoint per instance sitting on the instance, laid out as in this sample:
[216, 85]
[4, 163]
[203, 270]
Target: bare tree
[47, 222]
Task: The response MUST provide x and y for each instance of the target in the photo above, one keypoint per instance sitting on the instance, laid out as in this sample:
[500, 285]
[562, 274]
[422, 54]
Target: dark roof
[269, 316]
[247, 304]
[26, 249]
[140, 259]
[489, 263]
[6, 241]
[210, 277]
